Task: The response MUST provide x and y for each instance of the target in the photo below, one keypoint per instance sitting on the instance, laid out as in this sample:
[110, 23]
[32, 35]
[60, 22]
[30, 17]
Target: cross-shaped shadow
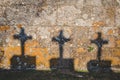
[22, 62]
[61, 40]
[99, 42]
[61, 63]
[23, 38]
[99, 65]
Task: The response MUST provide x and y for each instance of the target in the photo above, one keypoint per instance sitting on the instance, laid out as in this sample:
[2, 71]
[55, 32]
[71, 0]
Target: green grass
[82, 71]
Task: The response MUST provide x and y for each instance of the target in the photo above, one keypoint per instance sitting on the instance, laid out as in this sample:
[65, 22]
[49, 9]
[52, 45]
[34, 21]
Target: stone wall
[43, 19]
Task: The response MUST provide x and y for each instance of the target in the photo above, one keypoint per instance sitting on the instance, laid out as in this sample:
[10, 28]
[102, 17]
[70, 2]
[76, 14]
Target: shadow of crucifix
[61, 41]
[61, 62]
[99, 65]
[22, 62]
[23, 38]
[99, 42]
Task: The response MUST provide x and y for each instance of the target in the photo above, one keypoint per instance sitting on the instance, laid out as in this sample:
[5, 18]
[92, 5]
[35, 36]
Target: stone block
[57, 64]
[23, 62]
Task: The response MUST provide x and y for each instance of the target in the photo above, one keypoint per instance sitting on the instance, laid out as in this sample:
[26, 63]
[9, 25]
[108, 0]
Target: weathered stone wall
[43, 19]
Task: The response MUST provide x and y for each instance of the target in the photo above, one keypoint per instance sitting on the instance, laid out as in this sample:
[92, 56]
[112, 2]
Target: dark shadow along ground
[56, 75]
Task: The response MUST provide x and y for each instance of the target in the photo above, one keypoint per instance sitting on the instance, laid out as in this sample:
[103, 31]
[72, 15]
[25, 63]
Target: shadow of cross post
[99, 42]
[61, 40]
[99, 65]
[23, 38]
[22, 62]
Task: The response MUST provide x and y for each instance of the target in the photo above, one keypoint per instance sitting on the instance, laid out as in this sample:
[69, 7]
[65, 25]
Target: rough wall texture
[43, 19]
